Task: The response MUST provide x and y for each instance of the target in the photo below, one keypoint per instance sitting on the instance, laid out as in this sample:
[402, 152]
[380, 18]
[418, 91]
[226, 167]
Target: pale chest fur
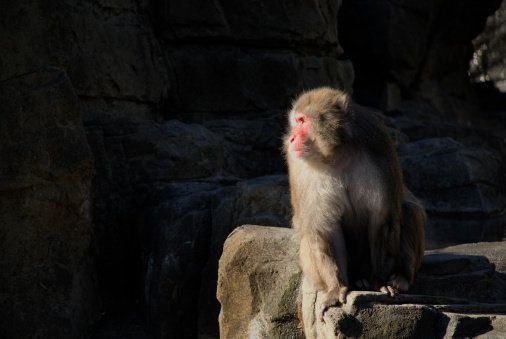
[326, 194]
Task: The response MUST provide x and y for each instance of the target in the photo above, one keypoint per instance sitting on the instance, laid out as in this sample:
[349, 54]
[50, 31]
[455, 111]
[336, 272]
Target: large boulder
[414, 49]
[262, 295]
[252, 146]
[489, 61]
[234, 81]
[108, 48]
[282, 22]
[176, 235]
[172, 150]
[183, 231]
[45, 177]
[261, 201]
[460, 188]
[494, 251]
[258, 280]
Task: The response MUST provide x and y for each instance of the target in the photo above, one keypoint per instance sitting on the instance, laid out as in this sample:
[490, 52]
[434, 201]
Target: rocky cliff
[136, 135]
[264, 295]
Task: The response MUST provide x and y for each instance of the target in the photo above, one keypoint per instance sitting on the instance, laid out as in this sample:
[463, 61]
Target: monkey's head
[316, 124]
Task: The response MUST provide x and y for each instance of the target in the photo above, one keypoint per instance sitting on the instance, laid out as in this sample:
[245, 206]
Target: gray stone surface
[262, 201]
[173, 151]
[234, 80]
[489, 60]
[48, 285]
[459, 187]
[259, 286]
[227, 71]
[258, 280]
[423, 50]
[280, 22]
[107, 47]
[494, 251]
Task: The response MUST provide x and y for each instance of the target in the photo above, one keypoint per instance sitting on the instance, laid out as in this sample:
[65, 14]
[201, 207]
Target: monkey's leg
[384, 244]
[328, 257]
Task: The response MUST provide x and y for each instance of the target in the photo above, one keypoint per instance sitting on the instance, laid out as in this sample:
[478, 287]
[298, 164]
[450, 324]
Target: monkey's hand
[336, 296]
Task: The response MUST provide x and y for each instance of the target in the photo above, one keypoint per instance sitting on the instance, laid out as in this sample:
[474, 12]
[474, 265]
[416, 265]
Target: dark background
[136, 134]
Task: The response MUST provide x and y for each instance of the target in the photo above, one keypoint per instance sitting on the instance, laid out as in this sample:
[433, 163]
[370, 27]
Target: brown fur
[354, 217]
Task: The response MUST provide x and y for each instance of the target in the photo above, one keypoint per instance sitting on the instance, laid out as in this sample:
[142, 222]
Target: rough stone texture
[489, 59]
[258, 288]
[459, 186]
[166, 192]
[494, 251]
[233, 80]
[173, 151]
[281, 22]
[107, 47]
[258, 280]
[176, 247]
[262, 201]
[252, 147]
[47, 285]
[423, 49]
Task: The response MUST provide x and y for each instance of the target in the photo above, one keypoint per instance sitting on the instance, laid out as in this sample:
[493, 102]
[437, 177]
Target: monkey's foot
[399, 282]
[334, 297]
[390, 290]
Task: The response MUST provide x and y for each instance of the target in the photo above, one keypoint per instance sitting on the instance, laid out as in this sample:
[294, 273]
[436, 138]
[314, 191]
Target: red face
[299, 137]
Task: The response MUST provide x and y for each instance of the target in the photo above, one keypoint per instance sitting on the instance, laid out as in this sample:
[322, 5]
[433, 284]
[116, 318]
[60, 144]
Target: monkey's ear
[341, 101]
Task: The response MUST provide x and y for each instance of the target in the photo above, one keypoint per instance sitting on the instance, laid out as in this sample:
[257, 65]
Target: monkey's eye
[300, 120]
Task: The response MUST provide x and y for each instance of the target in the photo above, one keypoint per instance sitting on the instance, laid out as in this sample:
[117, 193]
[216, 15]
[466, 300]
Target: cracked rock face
[48, 285]
[263, 295]
[489, 60]
[183, 104]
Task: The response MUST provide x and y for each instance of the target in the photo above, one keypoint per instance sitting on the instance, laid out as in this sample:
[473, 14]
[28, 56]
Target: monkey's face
[300, 137]
[315, 121]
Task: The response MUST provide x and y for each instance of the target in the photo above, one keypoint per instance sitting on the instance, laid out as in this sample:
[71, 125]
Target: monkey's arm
[324, 261]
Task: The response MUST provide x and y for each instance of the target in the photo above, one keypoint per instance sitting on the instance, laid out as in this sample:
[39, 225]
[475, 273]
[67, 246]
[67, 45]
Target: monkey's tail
[413, 224]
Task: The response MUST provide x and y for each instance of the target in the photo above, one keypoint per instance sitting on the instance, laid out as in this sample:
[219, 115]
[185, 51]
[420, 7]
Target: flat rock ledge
[264, 295]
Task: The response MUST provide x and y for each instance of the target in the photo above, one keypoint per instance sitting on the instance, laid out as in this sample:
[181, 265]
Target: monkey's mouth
[299, 152]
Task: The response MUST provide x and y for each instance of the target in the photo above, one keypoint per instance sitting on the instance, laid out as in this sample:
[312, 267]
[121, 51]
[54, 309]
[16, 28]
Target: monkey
[357, 224]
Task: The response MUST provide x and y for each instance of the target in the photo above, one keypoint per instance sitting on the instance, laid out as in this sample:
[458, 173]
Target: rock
[48, 285]
[232, 80]
[262, 201]
[258, 280]
[108, 48]
[252, 147]
[281, 23]
[444, 81]
[183, 232]
[422, 51]
[488, 63]
[176, 236]
[459, 187]
[368, 315]
[494, 251]
[390, 49]
[173, 150]
[419, 120]
[258, 286]
[460, 276]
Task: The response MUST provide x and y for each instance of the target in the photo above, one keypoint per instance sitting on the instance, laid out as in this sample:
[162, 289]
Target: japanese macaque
[359, 227]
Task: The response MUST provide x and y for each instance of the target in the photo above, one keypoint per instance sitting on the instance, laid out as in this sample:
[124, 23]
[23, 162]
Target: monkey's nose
[292, 138]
